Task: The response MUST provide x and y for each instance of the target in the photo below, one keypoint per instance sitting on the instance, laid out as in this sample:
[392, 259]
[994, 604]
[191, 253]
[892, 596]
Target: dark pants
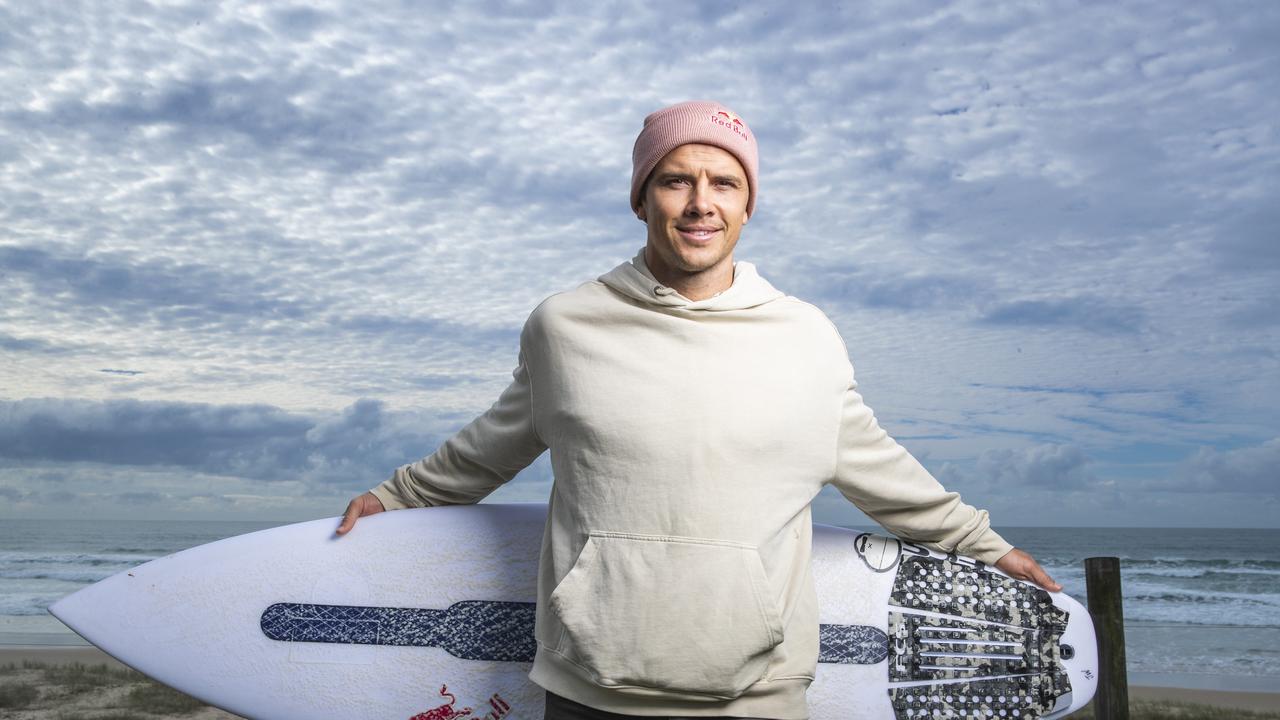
[562, 708]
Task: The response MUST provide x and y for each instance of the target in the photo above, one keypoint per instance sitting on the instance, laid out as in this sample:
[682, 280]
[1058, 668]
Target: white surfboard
[428, 615]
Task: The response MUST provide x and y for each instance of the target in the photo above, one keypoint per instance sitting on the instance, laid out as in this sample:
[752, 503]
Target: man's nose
[699, 199]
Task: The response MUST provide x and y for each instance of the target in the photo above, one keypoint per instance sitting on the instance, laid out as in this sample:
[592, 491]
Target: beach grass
[109, 715]
[1172, 710]
[79, 678]
[17, 695]
[156, 698]
[78, 691]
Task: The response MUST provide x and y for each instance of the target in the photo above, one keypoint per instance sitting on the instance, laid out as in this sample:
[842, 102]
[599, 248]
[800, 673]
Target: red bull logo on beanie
[732, 122]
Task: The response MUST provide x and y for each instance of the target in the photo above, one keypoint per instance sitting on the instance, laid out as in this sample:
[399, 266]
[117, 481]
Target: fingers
[349, 517]
[1032, 571]
[1036, 574]
[1021, 565]
[1041, 578]
[361, 505]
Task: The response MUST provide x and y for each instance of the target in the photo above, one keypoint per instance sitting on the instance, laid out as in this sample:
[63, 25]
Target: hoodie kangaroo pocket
[654, 612]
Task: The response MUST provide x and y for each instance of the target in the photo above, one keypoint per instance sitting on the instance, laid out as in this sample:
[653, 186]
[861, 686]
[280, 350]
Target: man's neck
[694, 286]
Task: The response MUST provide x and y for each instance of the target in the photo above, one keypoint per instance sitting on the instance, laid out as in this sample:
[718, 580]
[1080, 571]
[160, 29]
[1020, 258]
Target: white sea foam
[18, 559]
[1189, 591]
[76, 567]
[27, 603]
[1207, 650]
[1197, 570]
[84, 576]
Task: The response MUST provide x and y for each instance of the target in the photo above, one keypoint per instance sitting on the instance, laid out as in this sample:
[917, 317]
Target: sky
[255, 256]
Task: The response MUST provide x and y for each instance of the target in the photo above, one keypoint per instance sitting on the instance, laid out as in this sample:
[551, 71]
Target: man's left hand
[1017, 563]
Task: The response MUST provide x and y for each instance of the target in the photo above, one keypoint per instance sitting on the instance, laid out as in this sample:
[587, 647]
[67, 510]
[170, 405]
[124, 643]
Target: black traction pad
[997, 655]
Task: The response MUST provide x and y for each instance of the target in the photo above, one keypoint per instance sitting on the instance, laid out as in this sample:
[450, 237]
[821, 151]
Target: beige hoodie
[687, 440]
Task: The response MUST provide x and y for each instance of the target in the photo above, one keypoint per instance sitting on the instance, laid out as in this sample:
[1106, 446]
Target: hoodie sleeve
[473, 463]
[879, 476]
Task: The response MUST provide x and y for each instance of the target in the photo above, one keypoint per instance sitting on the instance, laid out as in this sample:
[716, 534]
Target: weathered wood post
[1102, 582]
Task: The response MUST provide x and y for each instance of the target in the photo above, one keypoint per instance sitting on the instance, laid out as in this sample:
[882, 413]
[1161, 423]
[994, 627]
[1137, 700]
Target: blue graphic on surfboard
[428, 615]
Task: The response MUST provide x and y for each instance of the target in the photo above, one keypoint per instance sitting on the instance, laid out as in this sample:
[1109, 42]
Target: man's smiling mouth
[698, 232]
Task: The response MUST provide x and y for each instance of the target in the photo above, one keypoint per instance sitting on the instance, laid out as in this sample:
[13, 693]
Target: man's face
[695, 204]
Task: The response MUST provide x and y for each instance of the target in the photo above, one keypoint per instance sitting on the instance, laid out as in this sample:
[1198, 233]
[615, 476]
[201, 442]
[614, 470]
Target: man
[692, 412]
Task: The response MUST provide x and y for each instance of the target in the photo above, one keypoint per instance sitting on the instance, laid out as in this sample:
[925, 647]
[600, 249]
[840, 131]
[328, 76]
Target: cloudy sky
[252, 257]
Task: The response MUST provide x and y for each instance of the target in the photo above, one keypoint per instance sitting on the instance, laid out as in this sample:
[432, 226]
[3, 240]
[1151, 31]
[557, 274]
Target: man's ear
[640, 212]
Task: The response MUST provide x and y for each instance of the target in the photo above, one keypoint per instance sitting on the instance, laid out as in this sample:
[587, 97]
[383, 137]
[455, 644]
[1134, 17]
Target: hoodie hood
[634, 280]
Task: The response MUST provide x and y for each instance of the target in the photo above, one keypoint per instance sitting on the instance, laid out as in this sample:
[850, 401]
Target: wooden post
[1102, 582]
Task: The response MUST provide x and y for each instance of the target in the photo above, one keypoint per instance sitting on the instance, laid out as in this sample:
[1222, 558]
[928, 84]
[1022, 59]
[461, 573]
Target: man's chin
[699, 260]
[691, 260]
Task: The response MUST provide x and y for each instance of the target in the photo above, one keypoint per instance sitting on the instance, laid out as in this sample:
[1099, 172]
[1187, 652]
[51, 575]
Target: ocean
[1201, 606]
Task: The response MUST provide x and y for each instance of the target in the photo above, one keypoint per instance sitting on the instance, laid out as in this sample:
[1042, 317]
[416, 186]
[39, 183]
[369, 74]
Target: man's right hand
[366, 504]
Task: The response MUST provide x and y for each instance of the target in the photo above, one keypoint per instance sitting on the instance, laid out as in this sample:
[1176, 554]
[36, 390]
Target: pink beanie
[698, 121]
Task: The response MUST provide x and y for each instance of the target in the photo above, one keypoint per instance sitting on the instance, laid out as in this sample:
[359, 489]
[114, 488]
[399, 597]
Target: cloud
[1053, 467]
[190, 459]
[1261, 313]
[139, 498]
[1249, 469]
[130, 432]
[34, 345]
[1084, 313]
[133, 290]
[299, 23]
[258, 442]
[841, 285]
[1250, 240]
[436, 381]
[401, 328]
[261, 111]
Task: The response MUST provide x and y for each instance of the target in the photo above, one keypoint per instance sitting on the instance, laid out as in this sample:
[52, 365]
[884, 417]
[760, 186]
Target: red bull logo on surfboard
[498, 709]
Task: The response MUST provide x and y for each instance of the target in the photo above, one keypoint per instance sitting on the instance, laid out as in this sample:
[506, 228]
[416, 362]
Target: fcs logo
[730, 121]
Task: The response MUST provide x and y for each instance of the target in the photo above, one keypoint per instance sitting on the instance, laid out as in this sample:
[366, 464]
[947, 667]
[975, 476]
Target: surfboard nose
[93, 612]
[73, 609]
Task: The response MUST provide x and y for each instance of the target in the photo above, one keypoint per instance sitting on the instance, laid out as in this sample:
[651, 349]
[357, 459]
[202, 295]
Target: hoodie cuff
[989, 547]
[387, 496]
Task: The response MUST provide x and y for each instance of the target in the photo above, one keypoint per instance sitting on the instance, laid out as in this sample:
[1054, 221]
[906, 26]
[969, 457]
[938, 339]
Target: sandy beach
[90, 656]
